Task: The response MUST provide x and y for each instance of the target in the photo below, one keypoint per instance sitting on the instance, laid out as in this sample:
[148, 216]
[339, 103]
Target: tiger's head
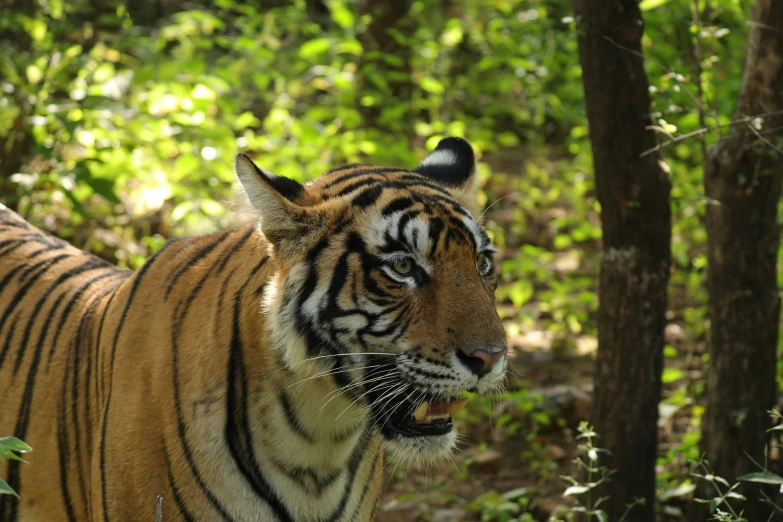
[385, 283]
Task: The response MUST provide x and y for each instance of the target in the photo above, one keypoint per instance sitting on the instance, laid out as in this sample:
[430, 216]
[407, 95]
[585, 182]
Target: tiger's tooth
[421, 412]
[455, 407]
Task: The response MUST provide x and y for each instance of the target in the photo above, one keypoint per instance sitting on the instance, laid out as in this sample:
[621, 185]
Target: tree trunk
[636, 220]
[387, 61]
[743, 174]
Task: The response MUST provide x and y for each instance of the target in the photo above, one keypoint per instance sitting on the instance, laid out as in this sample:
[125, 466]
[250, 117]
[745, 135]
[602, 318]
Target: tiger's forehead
[401, 211]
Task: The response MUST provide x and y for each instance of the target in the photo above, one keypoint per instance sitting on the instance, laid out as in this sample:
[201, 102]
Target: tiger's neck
[317, 406]
[292, 417]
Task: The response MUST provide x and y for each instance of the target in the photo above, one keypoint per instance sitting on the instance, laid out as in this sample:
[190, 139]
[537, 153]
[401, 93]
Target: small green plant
[720, 506]
[583, 491]
[9, 447]
[512, 506]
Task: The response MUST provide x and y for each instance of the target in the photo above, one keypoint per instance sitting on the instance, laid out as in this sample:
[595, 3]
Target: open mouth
[430, 415]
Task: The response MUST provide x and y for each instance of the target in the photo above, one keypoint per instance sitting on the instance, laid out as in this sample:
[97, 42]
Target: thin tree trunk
[636, 220]
[743, 174]
[387, 59]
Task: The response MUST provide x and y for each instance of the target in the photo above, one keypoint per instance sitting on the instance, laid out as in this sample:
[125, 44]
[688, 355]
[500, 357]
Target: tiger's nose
[481, 361]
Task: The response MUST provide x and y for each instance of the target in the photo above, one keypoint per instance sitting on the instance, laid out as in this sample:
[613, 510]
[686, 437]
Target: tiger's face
[386, 285]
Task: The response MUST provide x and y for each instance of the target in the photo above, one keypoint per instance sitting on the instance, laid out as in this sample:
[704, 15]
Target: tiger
[259, 373]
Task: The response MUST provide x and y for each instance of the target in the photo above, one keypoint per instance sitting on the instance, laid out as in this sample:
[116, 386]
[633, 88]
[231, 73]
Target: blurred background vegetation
[119, 123]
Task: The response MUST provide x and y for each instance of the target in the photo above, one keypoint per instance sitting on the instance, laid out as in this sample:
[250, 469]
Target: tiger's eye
[403, 266]
[483, 263]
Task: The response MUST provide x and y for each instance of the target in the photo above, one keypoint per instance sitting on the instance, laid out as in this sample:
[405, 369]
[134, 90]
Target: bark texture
[743, 174]
[636, 220]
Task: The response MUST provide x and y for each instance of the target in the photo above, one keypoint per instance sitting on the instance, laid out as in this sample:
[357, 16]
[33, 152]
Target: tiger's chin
[417, 451]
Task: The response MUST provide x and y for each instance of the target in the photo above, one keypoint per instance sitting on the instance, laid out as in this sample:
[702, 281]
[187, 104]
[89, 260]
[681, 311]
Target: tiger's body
[251, 374]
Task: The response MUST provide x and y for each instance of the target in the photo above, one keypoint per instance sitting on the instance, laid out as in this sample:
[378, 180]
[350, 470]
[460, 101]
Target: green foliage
[512, 506]
[582, 490]
[723, 506]
[9, 447]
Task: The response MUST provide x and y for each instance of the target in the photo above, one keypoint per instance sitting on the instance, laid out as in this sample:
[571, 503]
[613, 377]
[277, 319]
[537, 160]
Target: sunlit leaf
[575, 490]
[671, 375]
[520, 292]
[761, 477]
[646, 5]
[34, 74]
[432, 85]
[341, 14]
[313, 48]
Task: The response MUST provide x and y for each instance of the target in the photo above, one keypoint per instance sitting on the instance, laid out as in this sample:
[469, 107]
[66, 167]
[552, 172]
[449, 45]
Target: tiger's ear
[289, 227]
[453, 165]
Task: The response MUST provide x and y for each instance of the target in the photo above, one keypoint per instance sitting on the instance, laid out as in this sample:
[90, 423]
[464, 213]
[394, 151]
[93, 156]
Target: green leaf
[314, 48]
[575, 490]
[34, 74]
[671, 375]
[5, 489]
[15, 444]
[763, 477]
[341, 15]
[181, 210]
[646, 5]
[432, 85]
[714, 503]
[515, 493]
[104, 187]
[520, 292]
[722, 481]
[680, 491]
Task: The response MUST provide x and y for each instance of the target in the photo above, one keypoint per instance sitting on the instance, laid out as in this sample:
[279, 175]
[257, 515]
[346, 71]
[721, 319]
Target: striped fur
[251, 374]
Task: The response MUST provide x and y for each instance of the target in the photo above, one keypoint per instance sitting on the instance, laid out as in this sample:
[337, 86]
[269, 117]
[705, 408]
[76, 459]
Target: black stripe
[397, 205]
[291, 418]
[195, 258]
[100, 362]
[112, 288]
[353, 467]
[46, 263]
[91, 264]
[183, 309]
[137, 278]
[376, 181]
[23, 416]
[238, 432]
[367, 197]
[178, 500]
[360, 172]
[43, 266]
[366, 488]
[239, 244]
[342, 167]
[307, 478]
[9, 245]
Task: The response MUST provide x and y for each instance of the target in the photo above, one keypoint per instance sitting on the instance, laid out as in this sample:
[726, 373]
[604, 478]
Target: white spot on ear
[440, 158]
